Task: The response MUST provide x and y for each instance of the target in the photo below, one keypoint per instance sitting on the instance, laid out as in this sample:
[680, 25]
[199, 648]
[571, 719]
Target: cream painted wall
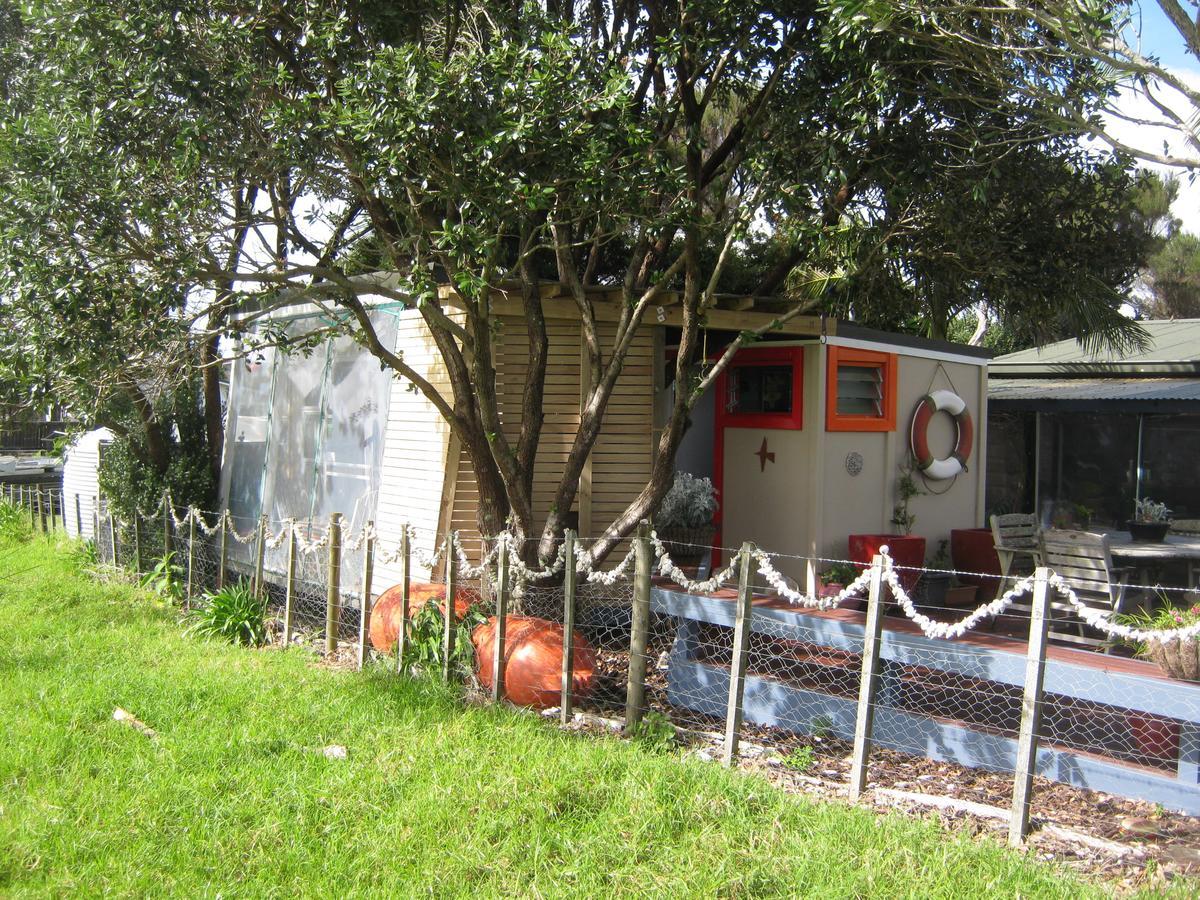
[863, 504]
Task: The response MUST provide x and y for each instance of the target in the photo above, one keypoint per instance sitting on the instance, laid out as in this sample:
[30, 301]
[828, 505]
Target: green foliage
[425, 650]
[690, 503]
[133, 478]
[799, 759]
[821, 727]
[164, 579]
[842, 573]
[14, 521]
[654, 733]
[906, 490]
[235, 614]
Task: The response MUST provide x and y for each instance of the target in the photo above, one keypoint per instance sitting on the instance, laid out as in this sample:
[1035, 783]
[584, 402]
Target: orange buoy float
[385, 614]
[533, 658]
[929, 405]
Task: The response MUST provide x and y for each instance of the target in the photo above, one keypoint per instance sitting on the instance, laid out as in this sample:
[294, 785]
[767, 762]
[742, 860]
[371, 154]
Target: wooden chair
[1084, 561]
[1018, 546]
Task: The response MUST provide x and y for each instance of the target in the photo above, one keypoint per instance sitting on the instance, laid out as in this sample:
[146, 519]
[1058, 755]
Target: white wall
[81, 464]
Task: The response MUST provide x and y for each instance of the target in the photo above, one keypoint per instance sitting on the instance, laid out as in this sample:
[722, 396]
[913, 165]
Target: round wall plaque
[854, 462]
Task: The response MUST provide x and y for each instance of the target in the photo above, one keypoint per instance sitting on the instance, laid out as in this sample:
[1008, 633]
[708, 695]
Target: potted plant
[685, 519]
[1151, 521]
[835, 578]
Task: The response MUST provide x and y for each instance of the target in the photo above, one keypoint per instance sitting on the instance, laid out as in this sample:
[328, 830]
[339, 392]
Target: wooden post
[405, 581]
[333, 611]
[635, 693]
[224, 550]
[112, 535]
[568, 655]
[137, 541]
[364, 619]
[260, 550]
[191, 554]
[41, 509]
[741, 652]
[96, 523]
[451, 578]
[501, 619]
[290, 593]
[78, 517]
[167, 512]
[1031, 708]
[868, 685]
[32, 509]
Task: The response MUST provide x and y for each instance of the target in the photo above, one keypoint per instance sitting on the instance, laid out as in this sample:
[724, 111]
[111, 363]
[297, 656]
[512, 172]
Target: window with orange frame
[860, 390]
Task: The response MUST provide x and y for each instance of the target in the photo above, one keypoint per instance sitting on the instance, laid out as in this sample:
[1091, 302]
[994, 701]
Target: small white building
[81, 481]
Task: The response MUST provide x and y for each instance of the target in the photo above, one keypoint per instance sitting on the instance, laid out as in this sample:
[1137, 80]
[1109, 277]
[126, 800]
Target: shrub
[426, 640]
[690, 503]
[164, 579]
[235, 614]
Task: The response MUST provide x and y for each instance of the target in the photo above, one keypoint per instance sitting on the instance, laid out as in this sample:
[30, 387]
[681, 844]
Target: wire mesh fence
[883, 683]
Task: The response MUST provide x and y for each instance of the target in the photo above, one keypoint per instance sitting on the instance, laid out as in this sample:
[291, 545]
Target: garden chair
[1018, 547]
[1084, 561]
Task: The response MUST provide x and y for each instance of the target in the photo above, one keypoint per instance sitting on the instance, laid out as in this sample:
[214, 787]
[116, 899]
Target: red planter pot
[974, 550]
[385, 614]
[533, 661]
[905, 549]
[1154, 736]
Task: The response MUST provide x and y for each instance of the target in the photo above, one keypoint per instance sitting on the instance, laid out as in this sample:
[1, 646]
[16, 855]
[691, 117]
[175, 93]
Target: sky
[1160, 39]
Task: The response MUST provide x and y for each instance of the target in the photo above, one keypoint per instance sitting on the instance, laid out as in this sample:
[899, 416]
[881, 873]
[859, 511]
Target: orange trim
[836, 356]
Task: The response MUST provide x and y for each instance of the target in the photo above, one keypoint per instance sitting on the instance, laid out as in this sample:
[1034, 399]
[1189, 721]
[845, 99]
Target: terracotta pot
[533, 661]
[974, 550]
[905, 550]
[385, 614]
[1177, 658]
[1154, 736]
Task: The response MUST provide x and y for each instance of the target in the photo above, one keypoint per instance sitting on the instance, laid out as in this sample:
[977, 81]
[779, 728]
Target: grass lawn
[434, 797]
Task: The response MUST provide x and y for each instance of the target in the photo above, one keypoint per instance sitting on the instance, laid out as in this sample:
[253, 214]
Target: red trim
[919, 434]
[854, 357]
[793, 421]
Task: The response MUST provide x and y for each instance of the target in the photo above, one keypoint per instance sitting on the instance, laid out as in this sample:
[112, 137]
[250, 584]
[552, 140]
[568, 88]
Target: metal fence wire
[882, 685]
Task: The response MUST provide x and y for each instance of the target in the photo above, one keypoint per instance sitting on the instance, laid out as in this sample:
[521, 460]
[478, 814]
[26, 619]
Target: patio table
[1145, 554]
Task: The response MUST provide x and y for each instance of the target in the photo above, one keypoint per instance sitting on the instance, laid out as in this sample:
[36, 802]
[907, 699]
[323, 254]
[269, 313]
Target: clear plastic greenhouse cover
[306, 433]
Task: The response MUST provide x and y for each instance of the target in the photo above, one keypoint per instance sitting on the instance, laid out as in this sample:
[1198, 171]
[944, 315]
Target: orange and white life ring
[927, 408]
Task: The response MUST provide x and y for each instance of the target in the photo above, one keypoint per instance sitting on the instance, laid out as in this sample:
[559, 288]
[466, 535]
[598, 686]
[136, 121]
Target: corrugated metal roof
[1171, 340]
[1094, 389]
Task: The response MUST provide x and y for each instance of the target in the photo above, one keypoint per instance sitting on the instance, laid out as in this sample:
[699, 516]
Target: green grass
[435, 798]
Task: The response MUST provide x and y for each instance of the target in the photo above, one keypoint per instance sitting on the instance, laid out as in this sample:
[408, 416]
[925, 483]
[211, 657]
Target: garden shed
[329, 431]
[81, 481]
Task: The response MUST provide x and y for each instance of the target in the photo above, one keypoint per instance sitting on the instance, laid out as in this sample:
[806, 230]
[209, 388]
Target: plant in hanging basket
[1177, 657]
[685, 519]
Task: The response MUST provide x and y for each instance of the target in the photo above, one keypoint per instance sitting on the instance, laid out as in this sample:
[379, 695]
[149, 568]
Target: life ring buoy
[927, 407]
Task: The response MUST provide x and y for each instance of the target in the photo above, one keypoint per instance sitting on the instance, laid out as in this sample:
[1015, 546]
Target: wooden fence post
[167, 513]
[191, 554]
[1031, 709]
[405, 582]
[224, 549]
[635, 693]
[451, 578]
[137, 541]
[260, 551]
[568, 655]
[364, 619]
[868, 685]
[501, 618]
[290, 593]
[41, 509]
[96, 523]
[78, 517]
[32, 509]
[333, 612]
[741, 652]
[112, 534]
